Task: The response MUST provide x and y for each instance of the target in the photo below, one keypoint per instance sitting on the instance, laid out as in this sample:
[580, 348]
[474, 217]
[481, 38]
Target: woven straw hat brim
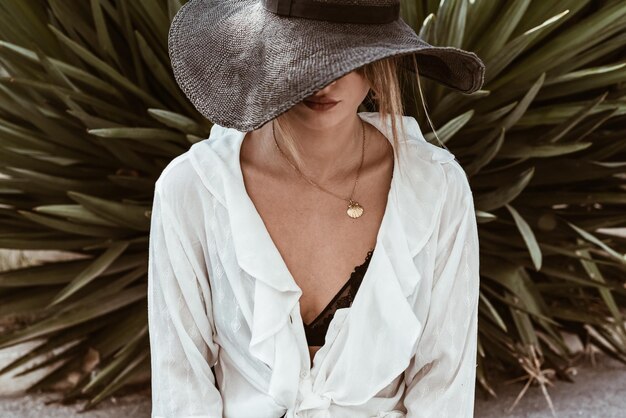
[241, 65]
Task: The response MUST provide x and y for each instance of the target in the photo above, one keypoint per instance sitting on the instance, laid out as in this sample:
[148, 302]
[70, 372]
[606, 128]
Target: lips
[323, 101]
[320, 104]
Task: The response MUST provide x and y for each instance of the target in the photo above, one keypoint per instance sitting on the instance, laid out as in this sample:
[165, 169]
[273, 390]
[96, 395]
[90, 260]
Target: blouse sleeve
[180, 320]
[441, 376]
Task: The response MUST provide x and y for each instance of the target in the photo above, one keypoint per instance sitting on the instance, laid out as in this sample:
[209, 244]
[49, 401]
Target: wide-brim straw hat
[242, 63]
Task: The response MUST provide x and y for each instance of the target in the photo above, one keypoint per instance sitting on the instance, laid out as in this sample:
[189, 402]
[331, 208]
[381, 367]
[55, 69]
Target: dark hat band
[342, 13]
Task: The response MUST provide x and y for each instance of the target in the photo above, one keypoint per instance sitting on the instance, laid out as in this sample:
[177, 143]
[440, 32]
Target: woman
[298, 268]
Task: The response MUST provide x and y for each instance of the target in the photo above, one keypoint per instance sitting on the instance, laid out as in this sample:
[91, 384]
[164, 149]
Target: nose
[327, 87]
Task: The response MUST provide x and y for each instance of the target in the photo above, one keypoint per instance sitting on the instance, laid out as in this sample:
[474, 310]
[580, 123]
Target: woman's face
[348, 92]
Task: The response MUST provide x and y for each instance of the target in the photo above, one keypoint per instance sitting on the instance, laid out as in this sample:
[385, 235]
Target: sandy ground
[599, 392]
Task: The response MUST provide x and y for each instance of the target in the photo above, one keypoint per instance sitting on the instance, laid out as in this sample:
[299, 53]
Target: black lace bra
[316, 330]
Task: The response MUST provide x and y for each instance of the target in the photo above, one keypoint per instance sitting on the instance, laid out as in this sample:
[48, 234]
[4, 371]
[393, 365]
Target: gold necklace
[355, 210]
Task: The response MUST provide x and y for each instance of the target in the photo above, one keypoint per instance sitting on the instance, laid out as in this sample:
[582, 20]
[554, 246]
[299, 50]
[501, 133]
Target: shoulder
[458, 199]
[452, 182]
[455, 174]
[177, 177]
[194, 182]
[457, 181]
[189, 170]
[183, 200]
[182, 188]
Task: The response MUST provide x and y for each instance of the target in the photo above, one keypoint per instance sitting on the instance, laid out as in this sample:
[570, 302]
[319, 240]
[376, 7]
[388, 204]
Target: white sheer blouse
[220, 296]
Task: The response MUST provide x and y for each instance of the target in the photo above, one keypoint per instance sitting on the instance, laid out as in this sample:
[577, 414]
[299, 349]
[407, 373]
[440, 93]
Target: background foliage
[90, 114]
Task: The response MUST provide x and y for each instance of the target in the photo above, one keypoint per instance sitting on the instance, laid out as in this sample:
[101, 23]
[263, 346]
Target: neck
[328, 152]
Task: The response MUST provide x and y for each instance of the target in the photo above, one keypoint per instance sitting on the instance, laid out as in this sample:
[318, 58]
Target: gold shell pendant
[354, 209]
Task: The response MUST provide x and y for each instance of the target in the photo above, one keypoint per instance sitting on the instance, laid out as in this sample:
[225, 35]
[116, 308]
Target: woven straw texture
[241, 65]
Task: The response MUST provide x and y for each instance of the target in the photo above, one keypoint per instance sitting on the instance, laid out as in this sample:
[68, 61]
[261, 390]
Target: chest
[321, 247]
[319, 243]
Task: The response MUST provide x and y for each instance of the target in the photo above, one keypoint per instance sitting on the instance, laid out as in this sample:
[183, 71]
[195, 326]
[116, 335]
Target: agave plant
[543, 146]
[90, 115]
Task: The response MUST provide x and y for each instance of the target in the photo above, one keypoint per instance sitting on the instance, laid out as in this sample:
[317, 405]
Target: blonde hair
[387, 87]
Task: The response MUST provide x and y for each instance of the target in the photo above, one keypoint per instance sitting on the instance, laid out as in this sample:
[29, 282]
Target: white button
[304, 374]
